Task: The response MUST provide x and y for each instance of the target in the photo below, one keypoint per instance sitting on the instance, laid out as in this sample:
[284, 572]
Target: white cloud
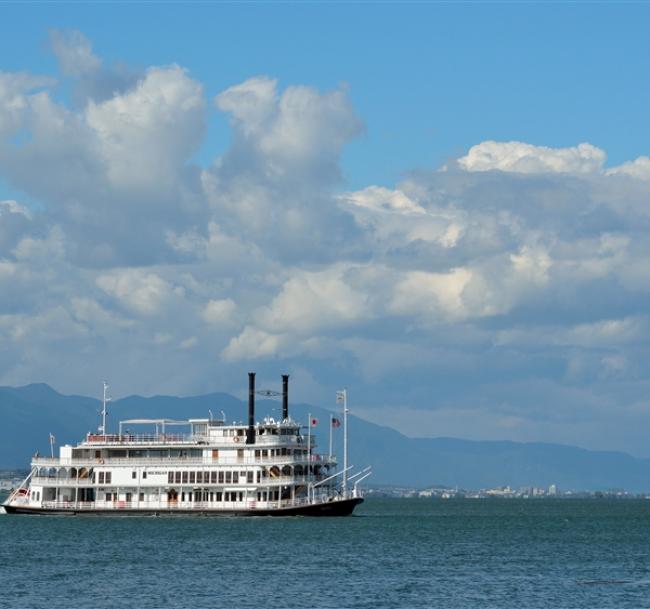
[13, 207]
[520, 266]
[141, 291]
[253, 343]
[638, 168]
[219, 311]
[73, 52]
[519, 157]
[393, 218]
[439, 295]
[300, 130]
[312, 301]
[189, 343]
[145, 134]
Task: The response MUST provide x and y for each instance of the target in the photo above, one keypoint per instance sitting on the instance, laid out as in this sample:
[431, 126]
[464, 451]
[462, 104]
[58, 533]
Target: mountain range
[29, 414]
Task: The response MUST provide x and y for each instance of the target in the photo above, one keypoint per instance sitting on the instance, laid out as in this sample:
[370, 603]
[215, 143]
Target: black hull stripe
[334, 508]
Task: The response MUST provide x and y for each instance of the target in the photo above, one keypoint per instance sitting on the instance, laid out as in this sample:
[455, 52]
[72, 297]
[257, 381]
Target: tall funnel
[250, 432]
[285, 396]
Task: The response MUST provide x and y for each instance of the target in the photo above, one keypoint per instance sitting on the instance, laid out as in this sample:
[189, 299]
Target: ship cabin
[210, 465]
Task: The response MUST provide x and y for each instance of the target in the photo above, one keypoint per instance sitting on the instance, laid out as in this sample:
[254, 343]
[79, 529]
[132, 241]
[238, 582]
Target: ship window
[219, 496]
[141, 497]
[228, 477]
[257, 454]
[108, 477]
[101, 477]
[259, 475]
[220, 477]
[189, 496]
[211, 497]
[109, 496]
[213, 477]
[240, 496]
[184, 477]
[235, 477]
[249, 477]
[128, 496]
[183, 496]
[192, 477]
[199, 477]
[170, 477]
[265, 453]
[177, 477]
[144, 475]
[133, 474]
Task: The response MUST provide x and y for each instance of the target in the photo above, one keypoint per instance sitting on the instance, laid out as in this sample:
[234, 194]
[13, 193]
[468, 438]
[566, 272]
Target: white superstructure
[186, 467]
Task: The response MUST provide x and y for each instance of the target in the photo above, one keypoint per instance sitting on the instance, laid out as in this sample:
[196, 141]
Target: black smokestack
[285, 396]
[250, 432]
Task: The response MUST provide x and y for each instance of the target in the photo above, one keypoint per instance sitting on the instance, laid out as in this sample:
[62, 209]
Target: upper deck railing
[166, 439]
[180, 461]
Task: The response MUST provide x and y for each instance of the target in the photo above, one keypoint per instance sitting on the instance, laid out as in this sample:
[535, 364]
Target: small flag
[314, 422]
[52, 438]
[336, 423]
[340, 397]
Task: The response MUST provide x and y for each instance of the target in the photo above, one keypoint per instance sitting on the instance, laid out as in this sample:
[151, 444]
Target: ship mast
[106, 398]
[342, 398]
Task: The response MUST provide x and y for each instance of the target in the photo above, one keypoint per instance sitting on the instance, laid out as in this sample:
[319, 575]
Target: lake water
[410, 553]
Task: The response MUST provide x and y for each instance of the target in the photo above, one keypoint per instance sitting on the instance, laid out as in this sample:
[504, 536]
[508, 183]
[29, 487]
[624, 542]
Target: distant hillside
[28, 414]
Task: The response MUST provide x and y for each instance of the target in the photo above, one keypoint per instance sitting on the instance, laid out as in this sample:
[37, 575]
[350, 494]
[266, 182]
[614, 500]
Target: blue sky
[429, 80]
[441, 206]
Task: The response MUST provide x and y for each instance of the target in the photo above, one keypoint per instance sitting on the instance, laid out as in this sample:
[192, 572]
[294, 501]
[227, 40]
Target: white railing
[198, 506]
[146, 483]
[193, 439]
[178, 461]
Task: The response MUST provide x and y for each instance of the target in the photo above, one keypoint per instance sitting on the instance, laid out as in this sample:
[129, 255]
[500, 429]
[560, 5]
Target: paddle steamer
[265, 468]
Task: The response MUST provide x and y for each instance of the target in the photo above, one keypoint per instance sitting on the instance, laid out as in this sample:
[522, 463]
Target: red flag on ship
[336, 423]
[314, 422]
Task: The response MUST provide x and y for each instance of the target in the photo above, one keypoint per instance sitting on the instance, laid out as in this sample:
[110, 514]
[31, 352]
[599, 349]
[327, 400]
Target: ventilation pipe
[250, 432]
[285, 397]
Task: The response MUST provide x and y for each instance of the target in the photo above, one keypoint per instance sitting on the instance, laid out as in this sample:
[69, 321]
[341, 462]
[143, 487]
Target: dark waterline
[410, 553]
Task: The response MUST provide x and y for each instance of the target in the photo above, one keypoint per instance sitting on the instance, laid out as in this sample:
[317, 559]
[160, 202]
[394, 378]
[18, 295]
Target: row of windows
[212, 496]
[104, 477]
[221, 477]
[272, 495]
[278, 452]
[127, 497]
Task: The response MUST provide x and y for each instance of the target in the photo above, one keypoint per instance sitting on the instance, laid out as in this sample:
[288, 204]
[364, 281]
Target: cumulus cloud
[73, 52]
[142, 291]
[638, 168]
[510, 285]
[219, 311]
[275, 185]
[519, 157]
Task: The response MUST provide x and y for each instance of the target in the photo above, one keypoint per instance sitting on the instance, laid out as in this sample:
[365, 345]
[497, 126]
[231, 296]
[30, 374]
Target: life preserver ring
[235, 439]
